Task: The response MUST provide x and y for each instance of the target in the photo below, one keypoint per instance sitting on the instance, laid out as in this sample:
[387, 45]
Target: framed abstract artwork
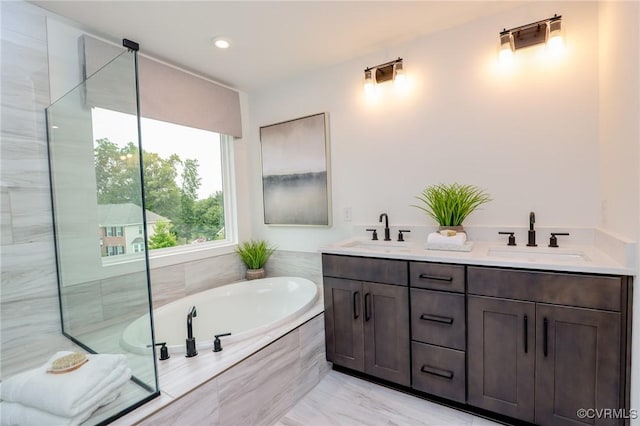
[295, 172]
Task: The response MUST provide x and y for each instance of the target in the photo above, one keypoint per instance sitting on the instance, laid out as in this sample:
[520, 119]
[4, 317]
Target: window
[185, 176]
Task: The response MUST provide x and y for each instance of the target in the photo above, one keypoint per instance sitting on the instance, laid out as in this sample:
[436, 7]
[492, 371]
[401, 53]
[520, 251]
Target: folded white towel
[69, 394]
[16, 414]
[468, 246]
[457, 240]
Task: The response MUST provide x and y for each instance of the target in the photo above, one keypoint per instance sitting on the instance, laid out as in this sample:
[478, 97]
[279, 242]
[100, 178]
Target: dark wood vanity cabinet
[534, 357]
[367, 321]
[532, 345]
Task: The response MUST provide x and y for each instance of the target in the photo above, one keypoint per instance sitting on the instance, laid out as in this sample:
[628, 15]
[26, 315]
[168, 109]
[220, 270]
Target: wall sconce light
[389, 71]
[545, 31]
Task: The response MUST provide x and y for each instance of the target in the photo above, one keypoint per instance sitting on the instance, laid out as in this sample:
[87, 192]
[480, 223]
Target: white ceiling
[271, 40]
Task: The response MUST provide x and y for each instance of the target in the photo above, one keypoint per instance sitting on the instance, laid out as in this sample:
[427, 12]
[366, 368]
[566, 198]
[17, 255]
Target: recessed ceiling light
[221, 43]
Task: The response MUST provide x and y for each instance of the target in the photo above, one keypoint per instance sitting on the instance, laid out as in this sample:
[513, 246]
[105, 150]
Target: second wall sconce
[545, 31]
[389, 71]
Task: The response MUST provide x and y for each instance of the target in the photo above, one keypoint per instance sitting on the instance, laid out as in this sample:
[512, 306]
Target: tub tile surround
[169, 283]
[269, 375]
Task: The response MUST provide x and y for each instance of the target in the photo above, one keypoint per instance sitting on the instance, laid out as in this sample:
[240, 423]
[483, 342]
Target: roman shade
[170, 94]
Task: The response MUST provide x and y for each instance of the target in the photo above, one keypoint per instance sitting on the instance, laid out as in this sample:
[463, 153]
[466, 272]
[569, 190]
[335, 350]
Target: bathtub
[245, 309]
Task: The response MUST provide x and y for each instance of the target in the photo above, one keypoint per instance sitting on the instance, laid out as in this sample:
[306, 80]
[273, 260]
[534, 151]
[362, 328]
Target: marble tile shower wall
[30, 320]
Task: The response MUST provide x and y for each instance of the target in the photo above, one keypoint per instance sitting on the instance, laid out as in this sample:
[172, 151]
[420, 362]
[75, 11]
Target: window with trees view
[183, 182]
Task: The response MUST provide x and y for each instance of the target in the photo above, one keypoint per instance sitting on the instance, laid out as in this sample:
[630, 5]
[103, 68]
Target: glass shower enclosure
[99, 222]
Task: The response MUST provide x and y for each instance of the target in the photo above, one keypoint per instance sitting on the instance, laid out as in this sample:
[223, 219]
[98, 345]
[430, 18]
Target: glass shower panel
[99, 224]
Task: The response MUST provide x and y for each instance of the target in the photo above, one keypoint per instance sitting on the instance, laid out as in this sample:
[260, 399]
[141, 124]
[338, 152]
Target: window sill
[175, 256]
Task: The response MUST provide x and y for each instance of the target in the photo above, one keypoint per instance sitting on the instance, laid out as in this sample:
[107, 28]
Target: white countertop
[568, 258]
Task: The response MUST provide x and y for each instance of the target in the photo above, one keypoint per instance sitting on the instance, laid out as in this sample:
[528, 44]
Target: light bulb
[221, 43]
[399, 77]
[555, 41]
[369, 84]
[506, 47]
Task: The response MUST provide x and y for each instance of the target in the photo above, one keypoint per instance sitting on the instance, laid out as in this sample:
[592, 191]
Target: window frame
[191, 252]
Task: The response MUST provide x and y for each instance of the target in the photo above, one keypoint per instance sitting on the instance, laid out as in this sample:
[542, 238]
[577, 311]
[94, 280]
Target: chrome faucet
[191, 341]
[532, 232]
[386, 226]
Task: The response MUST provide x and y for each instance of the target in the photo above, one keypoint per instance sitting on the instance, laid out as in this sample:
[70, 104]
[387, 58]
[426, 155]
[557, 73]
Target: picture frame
[296, 182]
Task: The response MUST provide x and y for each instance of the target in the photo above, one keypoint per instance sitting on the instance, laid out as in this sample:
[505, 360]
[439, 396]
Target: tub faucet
[386, 226]
[191, 341]
[532, 232]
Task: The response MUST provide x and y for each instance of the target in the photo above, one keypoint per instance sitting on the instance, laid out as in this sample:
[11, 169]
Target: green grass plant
[254, 254]
[450, 204]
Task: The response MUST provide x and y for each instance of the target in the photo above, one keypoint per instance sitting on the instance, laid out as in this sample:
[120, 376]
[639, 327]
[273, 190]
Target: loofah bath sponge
[67, 363]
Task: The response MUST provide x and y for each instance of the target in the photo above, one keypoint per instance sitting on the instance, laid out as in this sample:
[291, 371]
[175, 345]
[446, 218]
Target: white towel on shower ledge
[69, 394]
[14, 413]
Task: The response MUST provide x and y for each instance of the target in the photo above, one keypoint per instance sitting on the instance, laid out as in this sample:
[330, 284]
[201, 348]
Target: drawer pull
[436, 318]
[435, 278]
[437, 372]
[526, 334]
[545, 337]
[367, 306]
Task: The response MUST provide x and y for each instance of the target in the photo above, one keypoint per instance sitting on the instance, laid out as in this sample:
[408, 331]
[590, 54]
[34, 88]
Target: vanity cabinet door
[577, 364]
[343, 322]
[386, 330]
[501, 355]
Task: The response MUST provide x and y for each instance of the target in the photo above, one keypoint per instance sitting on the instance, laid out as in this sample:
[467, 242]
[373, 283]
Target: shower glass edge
[100, 224]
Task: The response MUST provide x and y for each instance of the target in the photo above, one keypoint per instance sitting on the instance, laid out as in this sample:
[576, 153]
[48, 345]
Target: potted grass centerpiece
[254, 254]
[450, 204]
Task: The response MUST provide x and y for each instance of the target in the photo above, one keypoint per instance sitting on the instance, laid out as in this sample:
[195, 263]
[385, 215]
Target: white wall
[529, 135]
[619, 138]
[619, 103]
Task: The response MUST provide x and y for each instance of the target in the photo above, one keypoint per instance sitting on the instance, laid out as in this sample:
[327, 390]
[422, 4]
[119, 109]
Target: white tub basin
[539, 254]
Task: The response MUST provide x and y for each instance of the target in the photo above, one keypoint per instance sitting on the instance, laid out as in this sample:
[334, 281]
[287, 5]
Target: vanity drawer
[438, 318]
[370, 269]
[437, 276]
[585, 291]
[438, 371]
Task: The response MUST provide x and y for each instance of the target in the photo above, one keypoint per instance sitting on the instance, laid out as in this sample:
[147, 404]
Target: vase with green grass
[254, 254]
[450, 204]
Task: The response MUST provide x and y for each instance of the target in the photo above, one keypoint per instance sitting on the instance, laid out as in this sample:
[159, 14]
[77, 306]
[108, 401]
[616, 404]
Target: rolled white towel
[16, 414]
[456, 240]
[69, 394]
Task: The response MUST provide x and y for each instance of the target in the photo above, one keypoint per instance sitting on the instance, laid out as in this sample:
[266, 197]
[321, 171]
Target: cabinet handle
[437, 372]
[526, 334]
[545, 336]
[435, 278]
[356, 305]
[367, 306]
[436, 318]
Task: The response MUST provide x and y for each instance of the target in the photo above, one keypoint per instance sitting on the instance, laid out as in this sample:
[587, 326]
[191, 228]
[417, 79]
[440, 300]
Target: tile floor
[340, 399]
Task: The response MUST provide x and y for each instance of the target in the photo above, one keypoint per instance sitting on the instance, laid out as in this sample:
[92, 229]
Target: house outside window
[188, 182]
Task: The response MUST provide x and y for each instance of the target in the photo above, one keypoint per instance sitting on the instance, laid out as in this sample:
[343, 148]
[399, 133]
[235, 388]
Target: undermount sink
[538, 254]
[378, 246]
